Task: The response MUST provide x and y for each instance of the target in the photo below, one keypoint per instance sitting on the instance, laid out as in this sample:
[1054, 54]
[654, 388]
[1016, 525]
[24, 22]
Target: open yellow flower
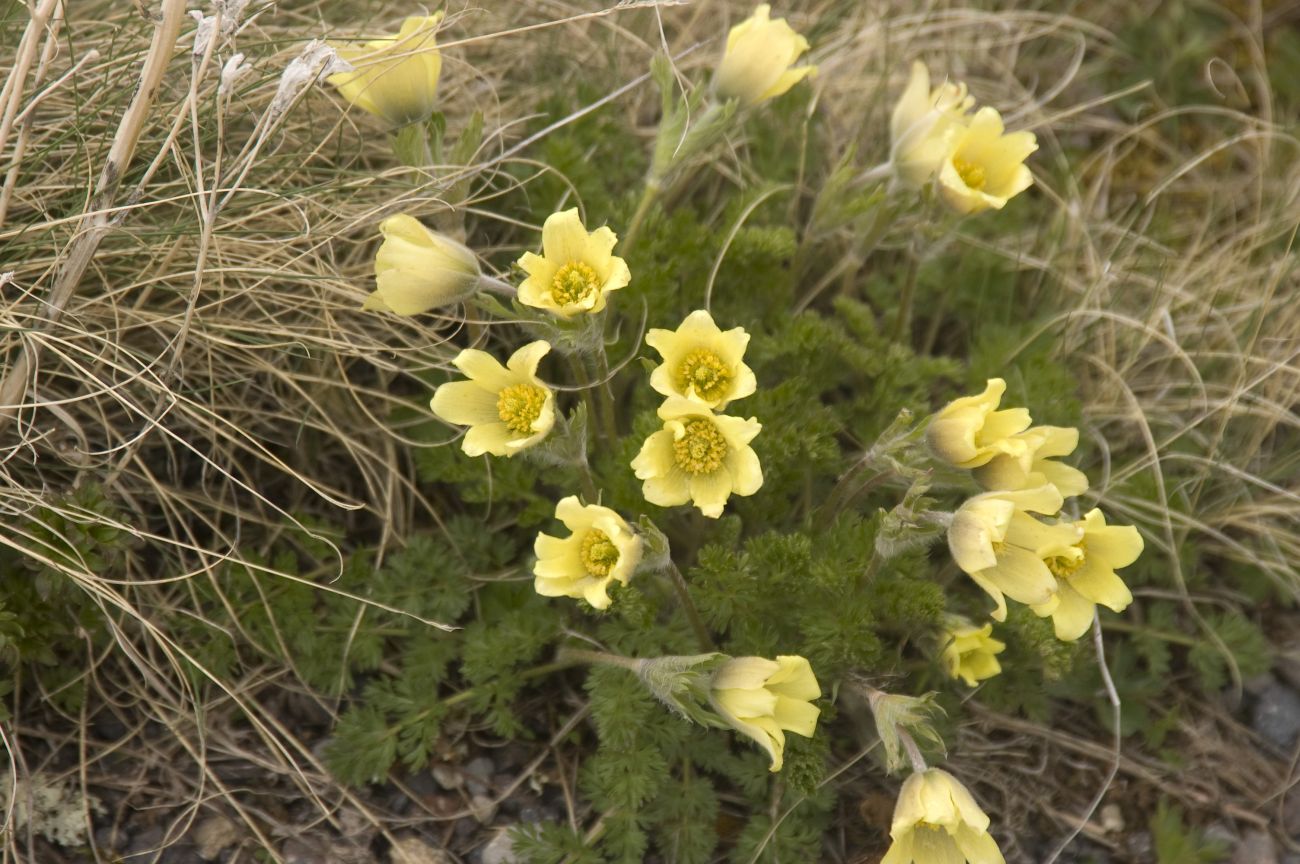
[970, 431]
[698, 457]
[601, 547]
[507, 408]
[986, 166]
[936, 821]
[1085, 574]
[394, 77]
[1004, 550]
[417, 269]
[759, 61]
[701, 362]
[1036, 465]
[576, 270]
[764, 699]
[924, 125]
[970, 652]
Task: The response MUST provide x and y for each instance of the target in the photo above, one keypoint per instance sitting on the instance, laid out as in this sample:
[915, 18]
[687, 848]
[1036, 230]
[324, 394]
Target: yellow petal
[493, 438]
[564, 238]
[464, 403]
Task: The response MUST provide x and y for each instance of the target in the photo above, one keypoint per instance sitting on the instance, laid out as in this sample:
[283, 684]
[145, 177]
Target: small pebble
[1276, 716]
[214, 834]
[499, 850]
[1257, 848]
[414, 850]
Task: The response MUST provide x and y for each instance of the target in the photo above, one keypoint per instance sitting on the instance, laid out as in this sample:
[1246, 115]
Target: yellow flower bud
[417, 269]
[970, 652]
[924, 124]
[936, 821]
[1085, 574]
[601, 548]
[1035, 465]
[698, 457]
[970, 431]
[1004, 550]
[394, 77]
[701, 362]
[507, 408]
[764, 699]
[576, 270]
[759, 61]
[985, 167]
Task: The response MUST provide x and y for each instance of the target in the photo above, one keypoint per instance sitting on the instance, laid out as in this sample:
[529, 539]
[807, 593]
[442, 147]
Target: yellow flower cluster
[601, 548]
[758, 63]
[394, 77]
[700, 456]
[576, 270]
[764, 699]
[976, 164]
[507, 408]
[1061, 568]
[936, 821]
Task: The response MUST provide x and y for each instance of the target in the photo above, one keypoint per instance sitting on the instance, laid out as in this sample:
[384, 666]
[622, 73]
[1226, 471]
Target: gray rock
[499, 850]
[214, 834]
[447, 777]
[1257, 848]
[414, 850]
[1276, 716]
[145, 846]
[478, 774]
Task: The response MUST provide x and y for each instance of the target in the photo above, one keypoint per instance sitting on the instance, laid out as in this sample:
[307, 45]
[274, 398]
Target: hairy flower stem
[567, 656]
[649, 195]
[605, 398]
[913, 752]
[903, 323]
[684, 595]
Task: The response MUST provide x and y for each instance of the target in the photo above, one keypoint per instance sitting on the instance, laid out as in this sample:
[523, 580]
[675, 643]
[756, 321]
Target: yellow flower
[698, 457]
[507, 408]
[759, 61]
[764, 699]
[394, 77]
[936, 821]
[576, 270]
[1004, 550]
[1085, 574]
[970, 431]
[924, 124]
[701, 362]
[986, 166]
[970, 652]
[601, 547]
[417, 269]
[1036, 465]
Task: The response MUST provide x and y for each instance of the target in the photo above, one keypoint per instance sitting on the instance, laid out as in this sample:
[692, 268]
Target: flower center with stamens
[573, 282]
[519, 406]
[970, 173]
[598, 553]
[704, 371]
[701, 448]
[1065, 566]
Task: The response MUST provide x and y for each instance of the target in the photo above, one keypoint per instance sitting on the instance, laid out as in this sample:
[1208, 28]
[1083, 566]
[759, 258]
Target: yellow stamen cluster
[598, 553]
[701, 449]
[573, 282]
[705, 371]
[1065, 566]
[971, 174]
[519, 406]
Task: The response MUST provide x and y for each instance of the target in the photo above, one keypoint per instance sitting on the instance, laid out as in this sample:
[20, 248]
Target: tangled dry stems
[213, 370]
